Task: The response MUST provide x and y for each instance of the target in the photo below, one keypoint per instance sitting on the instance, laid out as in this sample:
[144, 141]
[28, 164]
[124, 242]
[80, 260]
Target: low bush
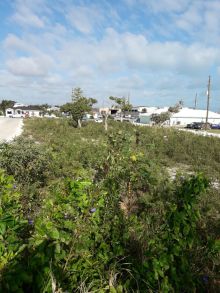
[27, 161]
[110, 219]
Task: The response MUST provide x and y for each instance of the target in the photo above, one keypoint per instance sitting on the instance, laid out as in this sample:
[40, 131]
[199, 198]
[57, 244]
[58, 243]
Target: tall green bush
[117, 224]
[13, 228]
[26, 160]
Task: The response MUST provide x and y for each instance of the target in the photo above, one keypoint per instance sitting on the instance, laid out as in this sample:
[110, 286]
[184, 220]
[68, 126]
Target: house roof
[30, 108]
[154, 110]
[194, 113]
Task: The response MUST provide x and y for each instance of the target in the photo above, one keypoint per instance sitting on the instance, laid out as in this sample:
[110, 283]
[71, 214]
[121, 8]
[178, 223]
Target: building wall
[22, 113]
[145, 119]
[9, 112]
[187, 120]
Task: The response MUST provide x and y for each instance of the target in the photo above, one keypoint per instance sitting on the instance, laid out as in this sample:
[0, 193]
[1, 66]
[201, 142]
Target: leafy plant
[12, 229]
[27, 161]
[79, 106]
[160, 118]
[106, 216]
[6, 104]
[170, 263]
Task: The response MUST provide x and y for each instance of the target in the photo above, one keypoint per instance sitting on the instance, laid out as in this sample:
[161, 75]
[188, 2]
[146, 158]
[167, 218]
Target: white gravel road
[10, 128]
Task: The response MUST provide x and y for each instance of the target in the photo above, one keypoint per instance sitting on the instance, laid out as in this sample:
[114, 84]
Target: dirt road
[9, 128]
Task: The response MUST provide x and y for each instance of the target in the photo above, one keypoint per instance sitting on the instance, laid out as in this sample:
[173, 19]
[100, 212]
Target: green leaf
[54, 233]
[2, 228]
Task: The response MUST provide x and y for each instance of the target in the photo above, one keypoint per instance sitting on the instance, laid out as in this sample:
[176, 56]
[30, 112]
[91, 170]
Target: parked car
[215, 126]
[198, 125]
[190, 125]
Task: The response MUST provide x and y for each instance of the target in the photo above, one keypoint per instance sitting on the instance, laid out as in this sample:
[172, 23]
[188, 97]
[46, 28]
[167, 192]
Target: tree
[79, 106]
[176, 108]
[160, 118]
[105, 115]
[122, 103]
[77, 93]
[6, 104]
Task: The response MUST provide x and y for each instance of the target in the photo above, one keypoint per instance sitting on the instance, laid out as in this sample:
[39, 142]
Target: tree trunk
[79, 123]
[121, 117]
[106, 122]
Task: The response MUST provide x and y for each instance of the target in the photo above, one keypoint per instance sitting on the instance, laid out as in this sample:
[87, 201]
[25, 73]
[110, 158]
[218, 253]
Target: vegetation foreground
[128, 210]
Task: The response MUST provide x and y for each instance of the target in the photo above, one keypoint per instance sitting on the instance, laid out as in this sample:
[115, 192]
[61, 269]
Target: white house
[104, 110]
[145, 118]
[187, 115]
[111, 111]
[143, 109]
[23, 111]
[19, 105]
[53, 108]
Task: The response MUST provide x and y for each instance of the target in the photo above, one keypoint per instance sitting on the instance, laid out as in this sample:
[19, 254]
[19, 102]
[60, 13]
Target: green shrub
[118, 224]
[12, 233]
[26, 160]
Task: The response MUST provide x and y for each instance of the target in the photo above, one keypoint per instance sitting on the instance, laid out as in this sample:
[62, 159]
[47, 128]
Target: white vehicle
[98, 120]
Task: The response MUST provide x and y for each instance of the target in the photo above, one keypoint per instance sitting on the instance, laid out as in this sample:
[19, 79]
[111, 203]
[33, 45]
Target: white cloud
[26, 18]
[90, 63]
[191, 19]
[115, 60]
[84, 18]
[134, 82]
[169, 6]
[13, 43]
[29, 66]
[83, 72]
[28, 13]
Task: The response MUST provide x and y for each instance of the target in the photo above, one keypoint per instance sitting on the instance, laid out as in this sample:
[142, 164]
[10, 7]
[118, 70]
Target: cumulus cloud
[13, 43]
[84, 18]
[104, 50]
[29, 66]
[25, 18]
[26, 13]
[190, 19]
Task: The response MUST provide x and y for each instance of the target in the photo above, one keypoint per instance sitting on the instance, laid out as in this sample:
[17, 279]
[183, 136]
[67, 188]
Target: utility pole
[208, 98]
[195, 101]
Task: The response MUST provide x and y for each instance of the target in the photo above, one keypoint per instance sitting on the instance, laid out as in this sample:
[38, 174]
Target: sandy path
[9, 128]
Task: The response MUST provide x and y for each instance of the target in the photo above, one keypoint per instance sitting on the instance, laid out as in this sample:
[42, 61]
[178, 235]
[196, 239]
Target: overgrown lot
[129, 210]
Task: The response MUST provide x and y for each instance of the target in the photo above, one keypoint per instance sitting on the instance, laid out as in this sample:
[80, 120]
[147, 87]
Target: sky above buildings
[156, 52]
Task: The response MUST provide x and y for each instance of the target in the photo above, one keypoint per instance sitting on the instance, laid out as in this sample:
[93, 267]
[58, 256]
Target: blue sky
[157, 52]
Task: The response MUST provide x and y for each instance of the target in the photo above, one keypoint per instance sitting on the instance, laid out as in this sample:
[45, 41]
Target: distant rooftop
[29, 107]
[196, 113]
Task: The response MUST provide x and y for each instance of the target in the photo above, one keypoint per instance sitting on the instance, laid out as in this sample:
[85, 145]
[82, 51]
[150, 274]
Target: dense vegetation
[82, 210]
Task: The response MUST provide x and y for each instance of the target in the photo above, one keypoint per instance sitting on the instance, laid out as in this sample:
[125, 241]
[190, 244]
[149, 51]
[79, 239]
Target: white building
[187, 115]
[19, 105]
[143, 109]
[53, 108]
[23, 111]
[146, 117]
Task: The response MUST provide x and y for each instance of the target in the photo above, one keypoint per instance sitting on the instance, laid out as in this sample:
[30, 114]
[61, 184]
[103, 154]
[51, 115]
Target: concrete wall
[187, 120]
